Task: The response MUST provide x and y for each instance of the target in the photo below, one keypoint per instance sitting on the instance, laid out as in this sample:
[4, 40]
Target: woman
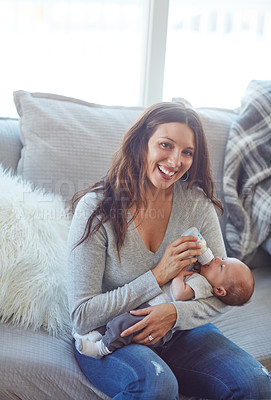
[125, 244]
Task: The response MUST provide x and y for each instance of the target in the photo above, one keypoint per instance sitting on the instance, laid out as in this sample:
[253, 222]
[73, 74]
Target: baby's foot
[78, 344]
[87, 348]
[93, 336]
[91, 349]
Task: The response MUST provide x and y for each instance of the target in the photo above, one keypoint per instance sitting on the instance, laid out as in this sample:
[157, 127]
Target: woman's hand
[158, 321]
[178, 255]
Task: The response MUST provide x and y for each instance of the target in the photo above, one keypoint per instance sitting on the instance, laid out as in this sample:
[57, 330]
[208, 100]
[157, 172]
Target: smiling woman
[130, 262]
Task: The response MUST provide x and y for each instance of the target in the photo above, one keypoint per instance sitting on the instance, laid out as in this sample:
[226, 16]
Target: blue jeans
[200, 362]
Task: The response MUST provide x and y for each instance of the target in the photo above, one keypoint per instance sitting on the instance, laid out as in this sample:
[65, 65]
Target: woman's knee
[151, 379]
[256, 384]
[248, 379]
[220, 368]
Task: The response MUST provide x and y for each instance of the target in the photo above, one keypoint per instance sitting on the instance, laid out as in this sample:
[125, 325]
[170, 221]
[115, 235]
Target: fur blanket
[247, 173]
[34, 227]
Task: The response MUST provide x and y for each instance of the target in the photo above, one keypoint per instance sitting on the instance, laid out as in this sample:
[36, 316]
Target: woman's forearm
[88, 313]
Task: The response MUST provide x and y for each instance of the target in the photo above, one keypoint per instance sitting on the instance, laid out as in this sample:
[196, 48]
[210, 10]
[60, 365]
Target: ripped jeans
[200, 362]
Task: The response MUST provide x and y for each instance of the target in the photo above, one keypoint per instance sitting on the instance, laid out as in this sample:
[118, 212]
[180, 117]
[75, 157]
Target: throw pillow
[68, 143]
[33, 233]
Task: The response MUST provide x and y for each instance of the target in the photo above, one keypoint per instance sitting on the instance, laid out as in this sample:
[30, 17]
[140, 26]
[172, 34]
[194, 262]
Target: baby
[228, 279]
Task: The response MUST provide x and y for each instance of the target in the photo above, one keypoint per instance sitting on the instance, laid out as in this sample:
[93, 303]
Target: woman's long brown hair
[124, 186]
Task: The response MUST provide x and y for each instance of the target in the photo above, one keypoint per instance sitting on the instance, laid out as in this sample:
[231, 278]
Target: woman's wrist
[160, 279]
[174, 314]
[171, 314]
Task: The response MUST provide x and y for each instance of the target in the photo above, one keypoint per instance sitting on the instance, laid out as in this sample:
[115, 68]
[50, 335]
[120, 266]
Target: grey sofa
[63, 144]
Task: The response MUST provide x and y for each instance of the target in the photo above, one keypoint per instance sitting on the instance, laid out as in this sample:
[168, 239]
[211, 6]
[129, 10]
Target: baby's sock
[92, 349]
[92, 336]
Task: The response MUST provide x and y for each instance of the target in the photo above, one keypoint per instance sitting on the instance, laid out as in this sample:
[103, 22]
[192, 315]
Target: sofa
[57, 146]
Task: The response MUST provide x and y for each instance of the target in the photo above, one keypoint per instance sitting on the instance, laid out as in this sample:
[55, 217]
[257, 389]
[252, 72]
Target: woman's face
[170, 154]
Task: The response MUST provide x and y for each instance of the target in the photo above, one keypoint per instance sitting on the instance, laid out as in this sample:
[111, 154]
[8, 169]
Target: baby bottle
[206, 253]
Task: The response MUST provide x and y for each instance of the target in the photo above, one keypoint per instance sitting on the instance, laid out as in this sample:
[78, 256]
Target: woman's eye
[165, 145]
[188, 153]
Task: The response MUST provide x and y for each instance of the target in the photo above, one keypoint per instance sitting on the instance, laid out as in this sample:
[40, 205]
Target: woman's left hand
[158, 321]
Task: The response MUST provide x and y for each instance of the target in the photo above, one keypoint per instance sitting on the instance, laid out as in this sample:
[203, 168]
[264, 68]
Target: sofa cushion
[38, 366]
[249, 325]
[68, 143]
[10, 143]
[33, 233]
[216, 123]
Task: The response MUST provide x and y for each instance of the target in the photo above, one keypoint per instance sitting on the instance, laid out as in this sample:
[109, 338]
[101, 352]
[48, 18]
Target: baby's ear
[220, 291]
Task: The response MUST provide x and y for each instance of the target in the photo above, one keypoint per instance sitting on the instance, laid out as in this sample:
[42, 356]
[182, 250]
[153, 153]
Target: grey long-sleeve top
[100, 287]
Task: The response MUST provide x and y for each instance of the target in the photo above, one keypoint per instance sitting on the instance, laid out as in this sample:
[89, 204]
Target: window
[134, 52]
[89, 49]
[215, 48]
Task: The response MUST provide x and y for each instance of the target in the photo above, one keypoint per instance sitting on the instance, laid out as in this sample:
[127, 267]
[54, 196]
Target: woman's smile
[166, 171]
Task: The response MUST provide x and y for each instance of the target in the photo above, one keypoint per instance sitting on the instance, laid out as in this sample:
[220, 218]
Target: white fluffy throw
[33, 233]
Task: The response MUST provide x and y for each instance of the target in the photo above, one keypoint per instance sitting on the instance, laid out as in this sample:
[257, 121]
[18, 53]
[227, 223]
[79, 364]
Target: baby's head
[231, 279]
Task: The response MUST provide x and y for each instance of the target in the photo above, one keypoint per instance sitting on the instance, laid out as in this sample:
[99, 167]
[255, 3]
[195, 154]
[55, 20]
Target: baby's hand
[197, 267]
[183, 273]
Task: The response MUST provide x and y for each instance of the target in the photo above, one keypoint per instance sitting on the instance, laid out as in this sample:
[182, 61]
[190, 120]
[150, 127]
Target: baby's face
[220, 271]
